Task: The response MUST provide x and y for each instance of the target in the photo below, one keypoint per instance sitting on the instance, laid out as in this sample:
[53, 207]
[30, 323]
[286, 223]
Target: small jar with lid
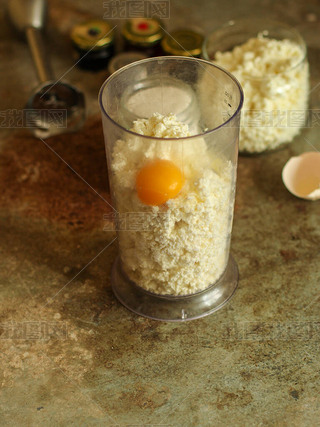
[183, 42]
[143, 35]
[124, 58]
[94, 42]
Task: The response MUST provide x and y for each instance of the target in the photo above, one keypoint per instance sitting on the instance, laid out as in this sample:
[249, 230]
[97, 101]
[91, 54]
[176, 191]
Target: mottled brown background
[255, 362]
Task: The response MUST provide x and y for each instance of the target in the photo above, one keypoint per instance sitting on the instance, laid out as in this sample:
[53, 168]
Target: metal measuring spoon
[53, 107]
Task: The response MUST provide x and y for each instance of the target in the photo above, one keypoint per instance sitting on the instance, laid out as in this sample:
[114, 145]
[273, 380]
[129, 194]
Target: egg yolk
[158, 181]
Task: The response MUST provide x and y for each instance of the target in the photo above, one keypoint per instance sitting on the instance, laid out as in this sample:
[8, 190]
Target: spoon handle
[38, 53]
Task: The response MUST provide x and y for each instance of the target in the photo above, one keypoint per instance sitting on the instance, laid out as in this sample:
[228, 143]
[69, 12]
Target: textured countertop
[70, 354]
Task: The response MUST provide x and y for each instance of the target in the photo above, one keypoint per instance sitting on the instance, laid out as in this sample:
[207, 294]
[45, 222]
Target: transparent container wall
[275, 105]
[180, 247]
[170, 85]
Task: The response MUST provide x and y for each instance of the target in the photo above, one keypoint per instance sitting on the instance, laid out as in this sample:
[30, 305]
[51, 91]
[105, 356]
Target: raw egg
[158, 181]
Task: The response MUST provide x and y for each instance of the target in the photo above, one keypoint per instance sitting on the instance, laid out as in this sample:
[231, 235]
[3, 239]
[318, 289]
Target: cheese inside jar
[270, 61]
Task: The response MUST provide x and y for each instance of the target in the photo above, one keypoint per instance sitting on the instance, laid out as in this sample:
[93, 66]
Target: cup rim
[180, 58]
[260, 22]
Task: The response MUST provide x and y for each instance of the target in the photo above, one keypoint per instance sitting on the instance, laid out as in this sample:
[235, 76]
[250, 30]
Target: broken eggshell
[301, 175]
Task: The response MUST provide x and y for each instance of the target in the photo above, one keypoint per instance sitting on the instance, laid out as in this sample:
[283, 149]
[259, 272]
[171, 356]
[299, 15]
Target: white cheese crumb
[274, 78]
[182, 246]
[161, 127]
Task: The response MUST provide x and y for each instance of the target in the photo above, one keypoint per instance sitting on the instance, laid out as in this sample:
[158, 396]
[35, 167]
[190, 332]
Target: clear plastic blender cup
[174, 262]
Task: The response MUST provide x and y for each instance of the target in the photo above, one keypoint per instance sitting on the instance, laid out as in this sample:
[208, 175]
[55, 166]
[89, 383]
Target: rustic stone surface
[70, 353]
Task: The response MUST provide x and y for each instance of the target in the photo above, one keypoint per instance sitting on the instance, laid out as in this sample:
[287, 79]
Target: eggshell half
[301, 175]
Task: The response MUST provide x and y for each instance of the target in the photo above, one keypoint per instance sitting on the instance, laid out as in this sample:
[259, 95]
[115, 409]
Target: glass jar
[124, 58]
[94, 42]
[143, 35]
[183, 42]
[174, 262]
[270, 61]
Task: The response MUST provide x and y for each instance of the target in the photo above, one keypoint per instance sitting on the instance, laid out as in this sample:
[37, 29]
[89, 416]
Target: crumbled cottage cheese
[275, 79]
[181, 246]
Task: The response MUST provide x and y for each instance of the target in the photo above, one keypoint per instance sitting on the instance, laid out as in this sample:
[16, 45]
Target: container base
[174, 308]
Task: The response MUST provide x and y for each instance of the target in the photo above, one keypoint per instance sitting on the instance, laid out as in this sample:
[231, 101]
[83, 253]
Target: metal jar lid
[142, 31]
[92, 35]
[123, 59]
[183, 43]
